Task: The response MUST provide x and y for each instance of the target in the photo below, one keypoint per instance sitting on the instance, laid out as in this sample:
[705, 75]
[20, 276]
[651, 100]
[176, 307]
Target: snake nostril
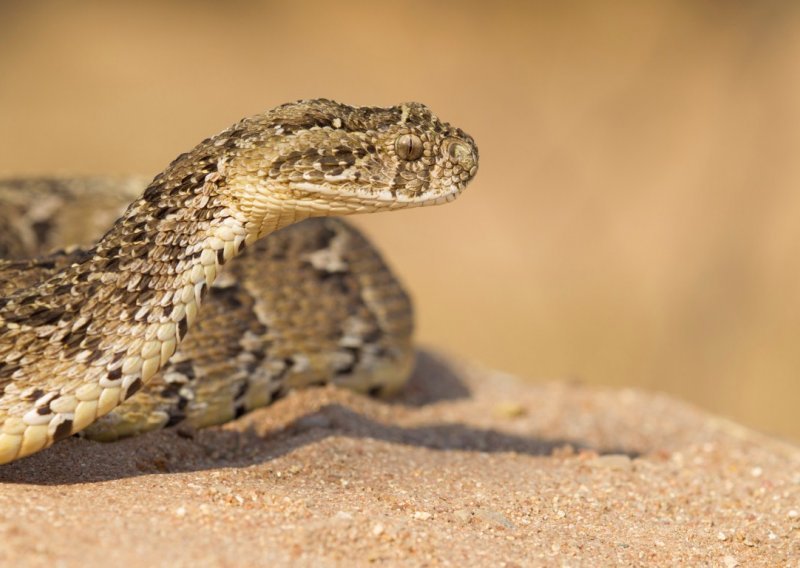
[460, 153]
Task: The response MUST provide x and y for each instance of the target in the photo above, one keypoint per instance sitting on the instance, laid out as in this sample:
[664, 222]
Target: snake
[102, 280]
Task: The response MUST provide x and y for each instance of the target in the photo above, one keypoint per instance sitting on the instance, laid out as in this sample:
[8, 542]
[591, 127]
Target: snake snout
[462, 154]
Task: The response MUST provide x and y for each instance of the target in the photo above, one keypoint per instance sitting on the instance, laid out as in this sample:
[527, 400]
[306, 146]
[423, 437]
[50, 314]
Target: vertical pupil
[409, 147]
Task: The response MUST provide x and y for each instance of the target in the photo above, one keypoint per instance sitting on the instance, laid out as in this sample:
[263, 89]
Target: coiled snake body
[84, 329]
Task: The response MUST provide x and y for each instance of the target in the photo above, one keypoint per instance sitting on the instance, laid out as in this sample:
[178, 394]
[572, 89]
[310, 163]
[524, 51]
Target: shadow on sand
[174, 450]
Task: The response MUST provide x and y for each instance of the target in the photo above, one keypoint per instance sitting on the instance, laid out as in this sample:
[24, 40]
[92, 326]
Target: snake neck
[108, 322]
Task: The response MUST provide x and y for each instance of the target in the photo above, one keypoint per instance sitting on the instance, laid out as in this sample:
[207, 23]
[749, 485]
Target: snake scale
[309, 301]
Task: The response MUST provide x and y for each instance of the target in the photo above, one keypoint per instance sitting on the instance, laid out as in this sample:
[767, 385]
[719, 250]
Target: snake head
[318, 157]
[412, 158]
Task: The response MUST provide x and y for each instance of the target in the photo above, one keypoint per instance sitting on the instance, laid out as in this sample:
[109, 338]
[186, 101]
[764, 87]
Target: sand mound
[468, 468]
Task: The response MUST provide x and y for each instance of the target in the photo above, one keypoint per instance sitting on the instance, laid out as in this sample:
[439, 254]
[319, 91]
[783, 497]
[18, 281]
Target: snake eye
[409, 147]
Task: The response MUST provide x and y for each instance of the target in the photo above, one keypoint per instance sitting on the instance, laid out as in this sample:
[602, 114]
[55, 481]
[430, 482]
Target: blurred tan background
[636, 219]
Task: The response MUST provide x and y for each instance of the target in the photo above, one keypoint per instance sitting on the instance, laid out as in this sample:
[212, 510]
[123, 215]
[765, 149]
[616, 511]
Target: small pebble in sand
[509, 409]
[180, 512]
[496, 518]
[422, 515]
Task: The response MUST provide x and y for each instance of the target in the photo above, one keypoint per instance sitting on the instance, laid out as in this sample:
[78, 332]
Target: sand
[468, 467]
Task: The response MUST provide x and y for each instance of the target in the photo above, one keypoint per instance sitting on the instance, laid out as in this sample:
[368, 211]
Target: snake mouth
[384, 198]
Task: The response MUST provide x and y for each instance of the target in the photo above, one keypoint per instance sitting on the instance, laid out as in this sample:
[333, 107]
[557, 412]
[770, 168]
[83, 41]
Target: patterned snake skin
[84, 326]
